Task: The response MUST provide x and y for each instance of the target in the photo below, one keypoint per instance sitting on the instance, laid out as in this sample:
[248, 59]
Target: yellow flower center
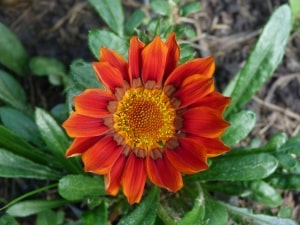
[145, 119]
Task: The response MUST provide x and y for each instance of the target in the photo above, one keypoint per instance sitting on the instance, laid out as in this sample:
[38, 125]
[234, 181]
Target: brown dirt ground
[227, 29]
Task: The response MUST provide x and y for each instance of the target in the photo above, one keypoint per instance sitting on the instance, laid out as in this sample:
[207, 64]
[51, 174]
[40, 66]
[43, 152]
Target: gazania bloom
[155, 119]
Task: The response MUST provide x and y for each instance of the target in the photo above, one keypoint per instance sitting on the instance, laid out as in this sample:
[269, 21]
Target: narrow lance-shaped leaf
[111, 12]
[215, 213]
[31, 207]
[264, 193]
[55, 139]
[13, 54]
[96, 216]
[21, 124]
[78, 187]
[145, 212]
[248, 217]
[239, 168]
[263, 60]
[19, 146]
[241, 124]
[103, 38]
[11, 92]
[14, 166]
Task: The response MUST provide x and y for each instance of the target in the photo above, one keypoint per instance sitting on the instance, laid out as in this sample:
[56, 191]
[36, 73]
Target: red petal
[204, 66]
[110, 76]
[113, 178]
[204, 122]
[135, 58]
[163, 174]
[101, 156]
[84, 126]
[194, 88]
[213, 146]
[134, 178]
[189, 157]
[93, 103]
[173, 54]
[116, 60]
[154, 58]
[214, 100]
[80, 145]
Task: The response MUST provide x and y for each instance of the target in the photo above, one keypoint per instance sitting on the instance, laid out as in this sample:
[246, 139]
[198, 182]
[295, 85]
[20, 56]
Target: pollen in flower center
[145, 118]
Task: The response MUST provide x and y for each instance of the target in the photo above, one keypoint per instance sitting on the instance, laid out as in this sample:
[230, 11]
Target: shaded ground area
[227, 29]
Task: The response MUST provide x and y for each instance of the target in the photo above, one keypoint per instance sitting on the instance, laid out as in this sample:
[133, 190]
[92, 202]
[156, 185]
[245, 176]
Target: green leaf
[265, 193]
[241, 124]
[78, 187]
[55, 139]
[46, 217]
[83, 75]
[13, 54]
[274, 145]
[103, 38]
[11, 92]
[13, 166]
[285, 212]
[189, 8]
[286, 181]
[8, 220]
[161, 7]
[20, 124]
[145, 212]
[51, 67]
[60, 112]
[19, 146]
[111, 12]
[247, 217]
[45, 66]
[31, 207]
[292, 145]
[96, 216]
[134, 21]
[215, 213]
[239, 168]
[295, 8]
[264, 59]
[196, 215]
[286, 160]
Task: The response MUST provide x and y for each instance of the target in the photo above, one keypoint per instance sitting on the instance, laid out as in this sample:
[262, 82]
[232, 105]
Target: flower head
[155, 119]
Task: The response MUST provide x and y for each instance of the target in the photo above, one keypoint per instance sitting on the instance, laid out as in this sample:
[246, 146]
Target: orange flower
[155, 119]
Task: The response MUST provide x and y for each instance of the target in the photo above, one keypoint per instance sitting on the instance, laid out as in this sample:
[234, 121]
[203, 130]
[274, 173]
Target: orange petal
[189, 157]
[173, 54]
[93, 103]
[204, 122]
[116, 60]
[205, 66]
[194, 88]
[213, 146]
[154, 58]
[80, 145]
[101, 156]
[214, 100]
[135, 58]
[84, 126]
[163, 174]
[113, 178]
[134, 178]
[110, 76]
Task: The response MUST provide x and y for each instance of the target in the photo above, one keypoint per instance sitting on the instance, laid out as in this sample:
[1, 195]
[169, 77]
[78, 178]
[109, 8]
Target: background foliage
[32, 142]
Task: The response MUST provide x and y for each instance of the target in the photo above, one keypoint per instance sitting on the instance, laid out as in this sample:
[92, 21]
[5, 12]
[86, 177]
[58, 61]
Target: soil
[228, 31]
